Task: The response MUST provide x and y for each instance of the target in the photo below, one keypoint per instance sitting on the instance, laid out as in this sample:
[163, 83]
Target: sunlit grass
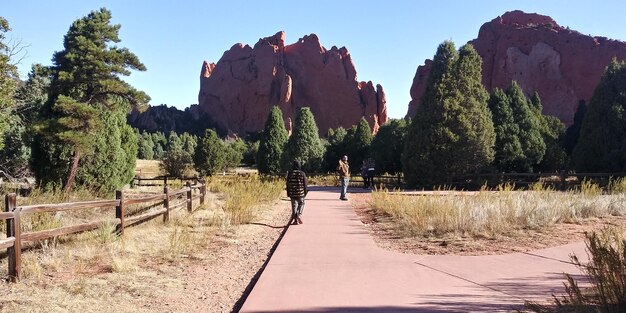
[495, 212]
[245, 194]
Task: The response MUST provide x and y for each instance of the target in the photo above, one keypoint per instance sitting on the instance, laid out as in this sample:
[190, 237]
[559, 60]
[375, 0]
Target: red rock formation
[562, 65]
[239, 91]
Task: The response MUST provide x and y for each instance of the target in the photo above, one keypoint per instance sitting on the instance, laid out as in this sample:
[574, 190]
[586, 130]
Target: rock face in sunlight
[562, 65]
[239, 91]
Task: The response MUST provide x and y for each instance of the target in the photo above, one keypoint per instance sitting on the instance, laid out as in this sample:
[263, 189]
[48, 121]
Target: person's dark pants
[297, 207]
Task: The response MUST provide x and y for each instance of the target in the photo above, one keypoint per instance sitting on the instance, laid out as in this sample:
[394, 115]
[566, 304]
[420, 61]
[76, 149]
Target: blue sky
[387, 40]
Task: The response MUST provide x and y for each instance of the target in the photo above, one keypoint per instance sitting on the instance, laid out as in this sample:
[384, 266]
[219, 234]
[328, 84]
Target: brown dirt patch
[387, 235]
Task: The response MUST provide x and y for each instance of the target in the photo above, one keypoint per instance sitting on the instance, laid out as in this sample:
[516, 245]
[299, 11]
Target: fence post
[189, 194]
[165, 181]
[563, 178]
[166, 204]
[202, 191]
[119, 212]
[399, 181]
[14, 253]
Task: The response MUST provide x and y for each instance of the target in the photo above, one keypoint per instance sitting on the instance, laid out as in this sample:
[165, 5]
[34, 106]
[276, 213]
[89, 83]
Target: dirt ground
[388, 237]
[211, 280]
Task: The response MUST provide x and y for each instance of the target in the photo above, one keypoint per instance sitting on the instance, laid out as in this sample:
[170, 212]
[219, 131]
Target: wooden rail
[12, 214]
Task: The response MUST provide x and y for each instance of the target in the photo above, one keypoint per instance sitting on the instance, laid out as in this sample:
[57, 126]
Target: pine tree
[234, 153]
[573, 132]
[85, 90]
[452, 133]
[174, 142]
[602, 143]
[421, 146]
[210, 154]
[552, 131]
[387, 146]
[472, 123]
[335, 148]
[29, 99]
[533, 146]
[508, 149]
[8, 81]
[145, 146]
[272, 143]
[358, 140]
[304, 143]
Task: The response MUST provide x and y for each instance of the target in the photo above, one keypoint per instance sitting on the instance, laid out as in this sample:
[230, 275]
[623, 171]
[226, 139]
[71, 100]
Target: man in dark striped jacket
[297, 189]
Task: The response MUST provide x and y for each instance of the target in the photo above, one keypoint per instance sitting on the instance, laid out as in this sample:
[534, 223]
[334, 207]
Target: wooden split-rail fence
[15, 239]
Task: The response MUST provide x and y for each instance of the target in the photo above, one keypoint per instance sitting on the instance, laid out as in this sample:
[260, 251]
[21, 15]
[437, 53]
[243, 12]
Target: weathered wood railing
[15, 238]
[139, 181]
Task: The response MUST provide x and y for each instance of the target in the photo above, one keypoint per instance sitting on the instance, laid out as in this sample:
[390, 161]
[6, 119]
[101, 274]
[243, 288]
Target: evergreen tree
[602, 143]
[29, 99]
[9, 79]
[573, 132]
[335, 148]
[552, 130]
[533, 146]
[252, 150]
[358, 140]
[160, 143]
[304, 143]
[272, 143]
[85, 90]
[176, 163]
[508, 149]
[452, 133]
[387, 146]
[210, 155]
[189, 143]
[145, 146]
[174, 142]
[234, 153]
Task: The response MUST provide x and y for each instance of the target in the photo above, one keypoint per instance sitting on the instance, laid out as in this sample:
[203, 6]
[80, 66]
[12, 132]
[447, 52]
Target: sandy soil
[212, 278]
[388, 237]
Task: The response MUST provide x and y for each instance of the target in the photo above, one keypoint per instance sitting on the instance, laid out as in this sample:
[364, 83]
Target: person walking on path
[344, 175]
[297, 189]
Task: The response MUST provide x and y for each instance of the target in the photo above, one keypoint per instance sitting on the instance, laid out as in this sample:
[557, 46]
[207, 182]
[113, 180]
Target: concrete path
[331, 264]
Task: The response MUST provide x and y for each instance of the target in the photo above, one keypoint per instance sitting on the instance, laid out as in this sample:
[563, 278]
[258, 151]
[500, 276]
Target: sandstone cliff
[562, 65]
[239, 91]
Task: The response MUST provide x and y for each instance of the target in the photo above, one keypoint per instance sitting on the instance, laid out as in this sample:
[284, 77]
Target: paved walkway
[331, 264]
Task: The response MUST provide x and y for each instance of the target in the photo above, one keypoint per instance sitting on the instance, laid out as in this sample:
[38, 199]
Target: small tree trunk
[73, 170]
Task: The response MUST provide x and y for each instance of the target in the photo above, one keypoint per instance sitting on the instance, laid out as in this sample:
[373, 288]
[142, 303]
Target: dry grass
[148, 168]
[495, 212]
[244, 194]
[143, 268]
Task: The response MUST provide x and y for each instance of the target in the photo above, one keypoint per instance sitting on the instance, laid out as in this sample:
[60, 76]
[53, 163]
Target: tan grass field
[496, 212]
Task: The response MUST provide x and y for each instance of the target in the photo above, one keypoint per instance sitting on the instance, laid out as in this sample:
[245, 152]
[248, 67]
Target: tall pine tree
[530, 138]
[304, 143]
[602, 143]
[452, 133]
[552, 130]
[272, 144]
[508, 148]
[86, 89]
